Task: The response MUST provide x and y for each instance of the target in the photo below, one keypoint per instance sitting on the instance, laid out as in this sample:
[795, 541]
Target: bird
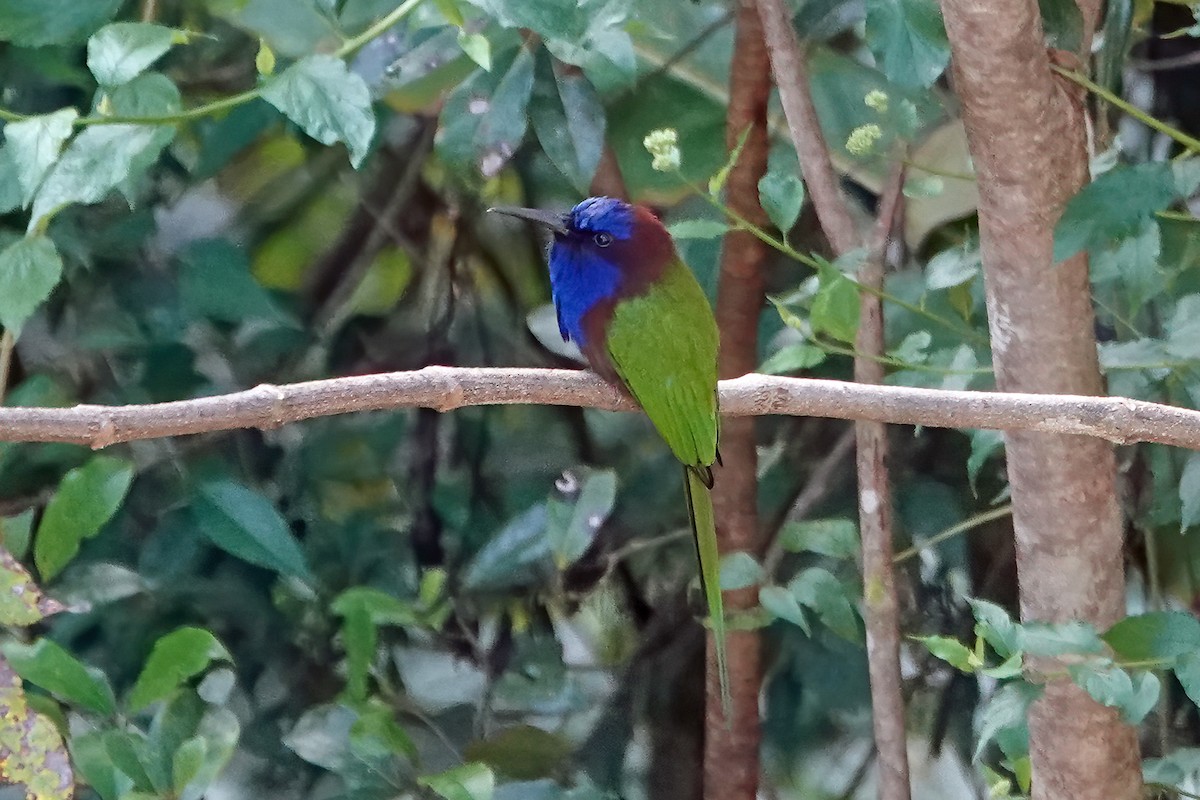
[624, 296]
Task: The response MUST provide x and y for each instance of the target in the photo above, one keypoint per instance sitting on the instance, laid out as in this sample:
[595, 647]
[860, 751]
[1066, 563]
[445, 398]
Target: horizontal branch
[1116, 419]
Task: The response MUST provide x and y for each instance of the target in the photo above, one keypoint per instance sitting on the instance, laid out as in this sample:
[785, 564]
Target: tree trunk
[731, 764]
[1027, 138]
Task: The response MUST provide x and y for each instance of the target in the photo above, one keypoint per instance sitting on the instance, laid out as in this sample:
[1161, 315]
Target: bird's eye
[602, 239]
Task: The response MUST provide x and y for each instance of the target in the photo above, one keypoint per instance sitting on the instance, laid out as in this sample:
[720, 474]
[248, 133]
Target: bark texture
[1027, 137]
[731, 748]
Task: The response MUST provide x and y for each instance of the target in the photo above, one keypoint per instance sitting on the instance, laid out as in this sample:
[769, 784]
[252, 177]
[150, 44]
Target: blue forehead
[603, 214]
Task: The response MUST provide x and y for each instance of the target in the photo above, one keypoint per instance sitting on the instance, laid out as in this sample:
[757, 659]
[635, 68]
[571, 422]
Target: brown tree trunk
[731, 765]
[1027, 138]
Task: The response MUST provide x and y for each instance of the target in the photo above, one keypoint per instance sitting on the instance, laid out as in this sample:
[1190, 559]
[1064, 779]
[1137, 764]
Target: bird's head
[599, 226]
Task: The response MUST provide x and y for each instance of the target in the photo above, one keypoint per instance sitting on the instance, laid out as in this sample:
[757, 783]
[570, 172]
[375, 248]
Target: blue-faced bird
[635, 310]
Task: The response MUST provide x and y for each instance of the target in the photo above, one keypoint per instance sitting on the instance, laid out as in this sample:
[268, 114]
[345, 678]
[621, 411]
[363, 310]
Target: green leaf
[1156, 635]
[1183, 329]
[739, 570]
[477, 48]
[781, 195]
[1113, 206]
[697, 229]
[58, 672]
[187, 761]
[21, 600]
[836, 538]
[984, 444]
[16, 532]
[819, 590]
[176, 658]
[1011, 668]
[914, 349]
[502, 127]
[1062, 22]
[996, 627]
[468, 782]
[331, 103]
[52, 21]
[568, 119]
[1048, 639]
[782, 603]
[1113, 687]
[245, 524]
[30, 268]
[522, 752]
[34, 144]
[835, 309]
[1003, 719]
[1189, 493]
[96, 161]
[572, 523]
[792, 358]
[215, 282]
[517, 555]
[86, 499]
[953, 267]
[909, 40]
[1187, 670]
[119, 52]
[950, 650]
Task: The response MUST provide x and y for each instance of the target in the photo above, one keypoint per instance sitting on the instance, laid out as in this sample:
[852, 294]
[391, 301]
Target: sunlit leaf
[331, 103]
[176, 658]
[86, 499]
[468, 782]
[119, 52]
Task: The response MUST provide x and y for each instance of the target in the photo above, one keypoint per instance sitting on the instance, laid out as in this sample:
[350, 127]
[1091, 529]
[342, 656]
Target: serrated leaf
[569, 121]
[1057, 639]
[914, 349]
[1112, 686]
[836, 538]
[119, 52]
[176, 658]
[31, 748]
[34, 144]
[245, 524]
[21, 600]
[909, 40]
[1113, 206]
[96, 161]
[835, 309]
[697, 229]
[950, 650]
[781, 195]
[1155, 635]
[328, 101]
[30, 268]
[792, 358]
[86, 499]
[51, 667]
[468, 782]
[819, 590]
[781, 603]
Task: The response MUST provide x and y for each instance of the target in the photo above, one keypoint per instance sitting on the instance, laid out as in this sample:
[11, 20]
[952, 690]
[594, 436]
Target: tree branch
[1115, 419]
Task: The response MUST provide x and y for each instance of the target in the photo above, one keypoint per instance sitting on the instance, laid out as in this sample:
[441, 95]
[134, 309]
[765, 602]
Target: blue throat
[579, 280]
[581, 272]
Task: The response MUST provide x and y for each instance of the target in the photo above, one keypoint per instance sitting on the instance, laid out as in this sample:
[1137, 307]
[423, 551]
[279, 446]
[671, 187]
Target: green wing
[663, 344]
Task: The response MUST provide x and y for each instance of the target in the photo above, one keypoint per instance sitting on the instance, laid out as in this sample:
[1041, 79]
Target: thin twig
[881, 605]
[791, 78]
[967, 524]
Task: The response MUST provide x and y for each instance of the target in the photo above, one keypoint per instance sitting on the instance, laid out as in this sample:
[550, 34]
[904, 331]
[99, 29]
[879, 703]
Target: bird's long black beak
[554, 222]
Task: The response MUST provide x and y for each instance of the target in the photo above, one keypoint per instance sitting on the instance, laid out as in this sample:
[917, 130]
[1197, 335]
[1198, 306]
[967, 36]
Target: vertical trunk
[731, 766]
[1027, 139]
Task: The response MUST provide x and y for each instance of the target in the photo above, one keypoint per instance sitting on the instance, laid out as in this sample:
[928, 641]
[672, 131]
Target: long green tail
[704, 527]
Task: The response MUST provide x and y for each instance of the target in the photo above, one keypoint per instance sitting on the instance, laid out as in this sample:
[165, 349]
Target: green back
[664, 346]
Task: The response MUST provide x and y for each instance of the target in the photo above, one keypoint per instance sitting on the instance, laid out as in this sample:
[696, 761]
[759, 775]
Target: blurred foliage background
[501, 602]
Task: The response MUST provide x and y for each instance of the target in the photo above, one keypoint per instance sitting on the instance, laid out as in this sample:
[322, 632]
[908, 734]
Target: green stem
[941, 173]
[895, 362]
[954, 530]
[1141, 116]
[385, 23]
